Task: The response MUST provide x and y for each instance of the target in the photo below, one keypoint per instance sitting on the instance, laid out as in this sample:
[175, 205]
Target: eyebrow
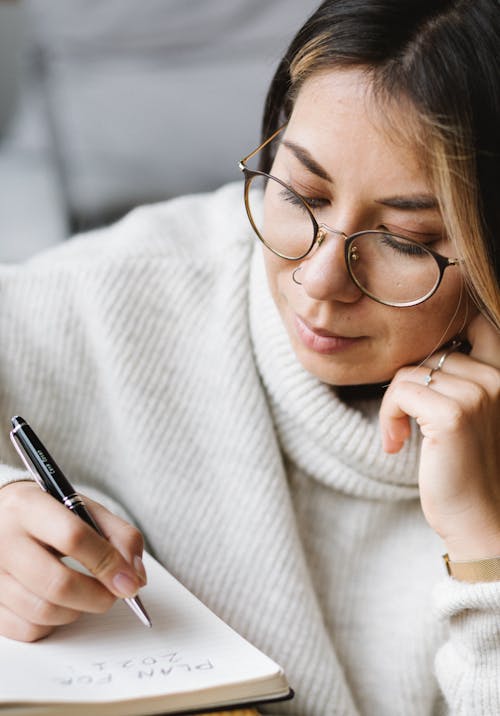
[413, 201]
[306, 159]
[406, 203]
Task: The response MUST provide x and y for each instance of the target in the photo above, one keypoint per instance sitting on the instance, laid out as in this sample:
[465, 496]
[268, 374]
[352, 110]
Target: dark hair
[442, 56]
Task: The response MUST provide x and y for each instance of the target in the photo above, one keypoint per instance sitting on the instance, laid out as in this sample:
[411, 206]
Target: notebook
[111, 665]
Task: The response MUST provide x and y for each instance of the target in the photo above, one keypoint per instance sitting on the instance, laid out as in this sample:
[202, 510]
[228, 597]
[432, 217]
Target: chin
[338, 374]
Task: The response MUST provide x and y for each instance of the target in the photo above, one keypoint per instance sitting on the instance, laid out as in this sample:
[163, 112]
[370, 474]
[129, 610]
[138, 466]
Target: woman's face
[338, 153]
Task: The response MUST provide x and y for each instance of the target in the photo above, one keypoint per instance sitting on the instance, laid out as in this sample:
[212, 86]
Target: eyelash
[431, 239]
[315, 203]
[407, 249]
[312, 202]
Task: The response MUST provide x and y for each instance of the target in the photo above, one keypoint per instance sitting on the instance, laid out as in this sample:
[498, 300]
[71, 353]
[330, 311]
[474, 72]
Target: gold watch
[477, 570]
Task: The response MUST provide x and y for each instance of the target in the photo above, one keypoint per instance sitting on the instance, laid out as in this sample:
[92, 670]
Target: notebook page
[104, 657]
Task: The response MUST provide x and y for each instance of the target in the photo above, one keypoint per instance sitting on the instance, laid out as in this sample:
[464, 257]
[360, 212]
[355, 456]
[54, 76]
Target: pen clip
[27, 461]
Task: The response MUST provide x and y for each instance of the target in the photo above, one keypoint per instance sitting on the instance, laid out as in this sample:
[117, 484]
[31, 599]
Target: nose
[324, 275]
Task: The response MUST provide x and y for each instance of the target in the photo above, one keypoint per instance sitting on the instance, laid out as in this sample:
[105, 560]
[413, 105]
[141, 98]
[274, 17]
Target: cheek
[279, 276]
[419, 331]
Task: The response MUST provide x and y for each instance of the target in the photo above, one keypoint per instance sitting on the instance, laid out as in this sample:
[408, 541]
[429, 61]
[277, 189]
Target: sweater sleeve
[10, 474]
[91, 337]
[51, 341]
[468, 664]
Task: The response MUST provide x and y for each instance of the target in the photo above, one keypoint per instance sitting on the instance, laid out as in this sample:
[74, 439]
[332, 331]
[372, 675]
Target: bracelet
[477, 570]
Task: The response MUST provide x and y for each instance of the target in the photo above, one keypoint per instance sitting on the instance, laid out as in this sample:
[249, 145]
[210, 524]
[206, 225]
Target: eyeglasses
[389, 268]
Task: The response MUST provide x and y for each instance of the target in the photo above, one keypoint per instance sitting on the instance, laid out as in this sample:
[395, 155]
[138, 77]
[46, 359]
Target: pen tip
[17, 420]
[138, 608]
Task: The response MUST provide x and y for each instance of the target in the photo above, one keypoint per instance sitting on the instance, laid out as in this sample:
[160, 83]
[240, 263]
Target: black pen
[51, 479]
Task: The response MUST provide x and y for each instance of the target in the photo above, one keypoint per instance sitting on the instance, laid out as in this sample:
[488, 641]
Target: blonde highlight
[453, 175]
[433, 67]
[308, 60]
[450, 162]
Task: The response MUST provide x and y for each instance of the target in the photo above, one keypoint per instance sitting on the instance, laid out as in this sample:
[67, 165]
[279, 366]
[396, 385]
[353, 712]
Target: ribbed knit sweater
[152, 360]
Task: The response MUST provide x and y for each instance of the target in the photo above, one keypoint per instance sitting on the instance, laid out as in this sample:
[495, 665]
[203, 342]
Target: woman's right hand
[37, 590]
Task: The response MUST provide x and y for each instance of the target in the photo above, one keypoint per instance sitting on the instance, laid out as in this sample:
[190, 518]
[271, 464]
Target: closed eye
[299, 199]
[404, 246]
[428, 237]
[315, 203]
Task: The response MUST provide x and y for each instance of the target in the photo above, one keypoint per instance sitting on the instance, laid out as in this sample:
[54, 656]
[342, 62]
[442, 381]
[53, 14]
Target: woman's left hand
[459, 417]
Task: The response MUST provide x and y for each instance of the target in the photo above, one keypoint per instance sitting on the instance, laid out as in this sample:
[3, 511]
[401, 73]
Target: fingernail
[139, 568]
[125, 585]
[390, 444]
[386, 442]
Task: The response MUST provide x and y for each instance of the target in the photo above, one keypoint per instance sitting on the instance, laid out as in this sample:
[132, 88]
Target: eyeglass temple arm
[243, 161]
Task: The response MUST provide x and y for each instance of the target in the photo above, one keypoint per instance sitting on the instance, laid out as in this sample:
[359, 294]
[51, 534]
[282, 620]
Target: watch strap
[477, 570]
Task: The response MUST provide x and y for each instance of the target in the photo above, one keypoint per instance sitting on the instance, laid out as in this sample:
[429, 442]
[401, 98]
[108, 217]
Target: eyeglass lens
[387, 267]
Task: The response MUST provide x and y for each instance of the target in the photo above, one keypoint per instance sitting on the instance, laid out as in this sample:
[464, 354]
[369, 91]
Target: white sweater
[153, 351]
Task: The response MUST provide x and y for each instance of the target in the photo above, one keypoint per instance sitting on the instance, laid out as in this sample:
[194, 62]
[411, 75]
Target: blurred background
[106, 104]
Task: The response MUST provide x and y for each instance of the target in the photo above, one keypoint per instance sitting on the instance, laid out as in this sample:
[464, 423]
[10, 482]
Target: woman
[227, 396]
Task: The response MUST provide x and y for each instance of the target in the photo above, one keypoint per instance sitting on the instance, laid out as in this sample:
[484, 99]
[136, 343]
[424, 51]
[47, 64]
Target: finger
[453, 436]
[462, 366]
[125, 537]
[410, 398]
[43, 574]
[470, 410]
[396, 430]
[429, 407]
[471, 387]
[71, 536]
[448, 402]
[14, 627]
[485, 341]
[30, 607]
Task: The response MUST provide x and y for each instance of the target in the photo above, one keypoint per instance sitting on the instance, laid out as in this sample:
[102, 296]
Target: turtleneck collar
[334, 442]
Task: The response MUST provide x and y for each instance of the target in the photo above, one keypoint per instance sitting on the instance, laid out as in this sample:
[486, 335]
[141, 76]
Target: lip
[320, 340]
